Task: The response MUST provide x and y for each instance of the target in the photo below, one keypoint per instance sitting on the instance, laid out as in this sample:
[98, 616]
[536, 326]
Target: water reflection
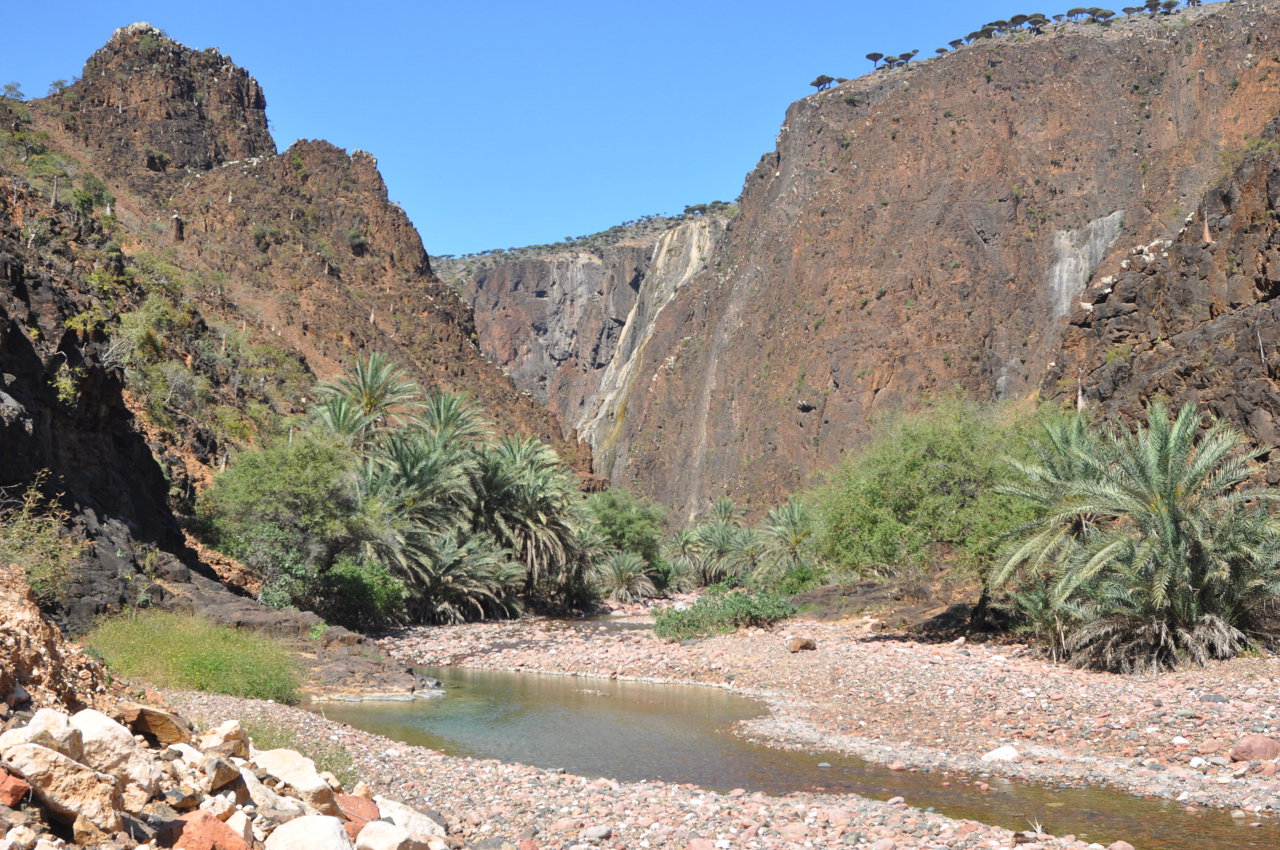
[634, 731]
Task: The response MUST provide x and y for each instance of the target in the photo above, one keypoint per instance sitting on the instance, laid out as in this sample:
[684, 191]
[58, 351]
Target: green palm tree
[528, 500]
[1153, 537]
[786, 531]
[467, 577]
[377, 387]
[454, 418]
[624, 577]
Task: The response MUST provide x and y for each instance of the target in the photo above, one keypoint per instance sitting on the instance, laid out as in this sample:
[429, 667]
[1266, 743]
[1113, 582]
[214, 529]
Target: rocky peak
[147, 105]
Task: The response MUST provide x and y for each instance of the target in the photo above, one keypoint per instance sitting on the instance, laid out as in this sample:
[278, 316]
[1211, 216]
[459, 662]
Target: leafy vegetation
[173, 650]
[723, 609]
[1145, 549]
[924, 486]
[34, 536]
[408, 502]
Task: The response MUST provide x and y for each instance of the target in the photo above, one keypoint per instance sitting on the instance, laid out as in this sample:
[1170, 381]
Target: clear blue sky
[501, 123]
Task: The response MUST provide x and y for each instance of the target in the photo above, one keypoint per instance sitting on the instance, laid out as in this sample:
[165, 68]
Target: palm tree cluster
[722, 549]
[1147, 549]
[470, 523]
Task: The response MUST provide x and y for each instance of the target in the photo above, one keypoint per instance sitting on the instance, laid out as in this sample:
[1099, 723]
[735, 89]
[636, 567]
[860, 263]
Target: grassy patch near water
[182, 651]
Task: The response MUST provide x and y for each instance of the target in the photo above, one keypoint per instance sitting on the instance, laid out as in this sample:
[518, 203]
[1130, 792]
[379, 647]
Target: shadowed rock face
[925, 229]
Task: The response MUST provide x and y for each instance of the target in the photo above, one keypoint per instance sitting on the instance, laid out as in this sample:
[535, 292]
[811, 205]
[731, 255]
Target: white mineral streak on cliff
[677, 256]
[1078, 254]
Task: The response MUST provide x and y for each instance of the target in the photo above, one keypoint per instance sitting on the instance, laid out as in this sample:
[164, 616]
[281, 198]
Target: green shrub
[629, 524]
[172, 650]
[723, 610]
[800, 578]
[34, 537]
[360, 596]
[925, 485]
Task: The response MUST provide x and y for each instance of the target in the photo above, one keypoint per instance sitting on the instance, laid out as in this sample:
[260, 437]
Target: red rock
[12, 789]
[358, 810]
[1255, 748]
[202, 831]
[527, 844]
[898, 765]
[700, 844]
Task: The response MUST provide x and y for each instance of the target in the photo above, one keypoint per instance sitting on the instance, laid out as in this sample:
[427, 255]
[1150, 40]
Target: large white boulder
[67, 787]
[419, 826]
[110, 748]
[312, 832]
[299, 773]
[48, 728]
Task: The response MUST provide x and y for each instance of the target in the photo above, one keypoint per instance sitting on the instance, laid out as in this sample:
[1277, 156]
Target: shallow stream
[683, 733]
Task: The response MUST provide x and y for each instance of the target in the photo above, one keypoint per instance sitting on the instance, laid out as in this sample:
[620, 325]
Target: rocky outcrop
[1192, 317]
[114, 791]
[146, 105]
[930, 228]
[568, 323]
[38, 667]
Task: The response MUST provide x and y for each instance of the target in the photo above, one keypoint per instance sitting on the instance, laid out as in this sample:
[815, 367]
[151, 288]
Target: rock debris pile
[144, 779]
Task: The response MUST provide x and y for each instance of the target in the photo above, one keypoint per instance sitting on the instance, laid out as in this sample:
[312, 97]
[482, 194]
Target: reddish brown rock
[356, 811]
[12, 789]
[203, 831]
[1254, 748]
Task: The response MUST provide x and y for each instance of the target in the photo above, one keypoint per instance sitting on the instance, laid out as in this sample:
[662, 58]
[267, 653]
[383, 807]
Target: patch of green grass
[172, 650]
[328, 755]
[723, 610]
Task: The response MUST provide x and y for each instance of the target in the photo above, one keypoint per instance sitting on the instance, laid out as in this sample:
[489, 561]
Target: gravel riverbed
[880, 697]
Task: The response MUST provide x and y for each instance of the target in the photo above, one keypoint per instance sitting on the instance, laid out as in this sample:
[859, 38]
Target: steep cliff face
[928, 228]
[566, 324]
[304, 245]
[1194, 317]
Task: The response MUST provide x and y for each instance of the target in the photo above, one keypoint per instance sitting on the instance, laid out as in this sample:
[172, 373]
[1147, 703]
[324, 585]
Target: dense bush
[183, 651]
[1145, 549]
[389, 503]
[925, 485]
[629, 524]
[722, 610]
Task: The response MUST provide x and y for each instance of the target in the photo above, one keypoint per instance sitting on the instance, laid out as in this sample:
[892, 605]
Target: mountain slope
[928, 228]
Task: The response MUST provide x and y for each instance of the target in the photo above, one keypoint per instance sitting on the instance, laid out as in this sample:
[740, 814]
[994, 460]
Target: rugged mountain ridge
[568, 322]
[149, 192]
[933, 227]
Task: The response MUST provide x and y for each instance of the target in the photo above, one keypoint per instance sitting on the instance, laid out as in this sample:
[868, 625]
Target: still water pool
[677, 733]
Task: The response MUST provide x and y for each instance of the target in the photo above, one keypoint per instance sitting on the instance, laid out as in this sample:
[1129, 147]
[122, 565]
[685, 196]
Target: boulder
[269, 803]
[796, 644]
[299, 773]
[357, 811]
[311, 832]
[420, 826]
[1255, 748]
[218, 771]
[240, 824]
[201, 830]
[1005, 753]
[227, 739]
[66, 787]
[380, 835]
[110, 748]
[48, 728]
[163, 727]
